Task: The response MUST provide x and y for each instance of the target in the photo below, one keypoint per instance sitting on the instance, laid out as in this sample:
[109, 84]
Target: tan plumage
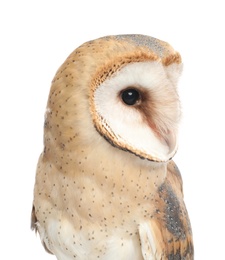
[105, 185]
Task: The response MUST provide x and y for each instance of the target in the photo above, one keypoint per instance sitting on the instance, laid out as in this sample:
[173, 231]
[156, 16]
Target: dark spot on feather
[172, 212]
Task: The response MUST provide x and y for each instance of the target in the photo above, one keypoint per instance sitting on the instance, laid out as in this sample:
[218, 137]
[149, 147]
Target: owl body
[106, 187]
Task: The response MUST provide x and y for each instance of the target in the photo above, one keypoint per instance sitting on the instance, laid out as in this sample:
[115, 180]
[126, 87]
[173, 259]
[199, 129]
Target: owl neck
[101, 162]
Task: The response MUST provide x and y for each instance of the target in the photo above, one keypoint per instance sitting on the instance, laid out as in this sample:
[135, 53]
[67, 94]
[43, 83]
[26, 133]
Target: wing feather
[34, 226]
[168, 235]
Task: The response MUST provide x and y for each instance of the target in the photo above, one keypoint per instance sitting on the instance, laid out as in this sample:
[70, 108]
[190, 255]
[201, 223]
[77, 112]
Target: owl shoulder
[174, 176]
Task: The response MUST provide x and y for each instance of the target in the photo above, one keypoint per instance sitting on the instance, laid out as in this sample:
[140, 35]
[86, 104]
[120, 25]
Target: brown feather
[171, 218]
[33, 220]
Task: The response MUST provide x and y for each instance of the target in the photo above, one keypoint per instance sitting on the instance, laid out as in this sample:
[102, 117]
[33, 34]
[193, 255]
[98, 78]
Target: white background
[37, 36]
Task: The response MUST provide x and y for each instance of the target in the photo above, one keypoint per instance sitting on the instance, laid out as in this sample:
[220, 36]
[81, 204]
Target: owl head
[121, 88]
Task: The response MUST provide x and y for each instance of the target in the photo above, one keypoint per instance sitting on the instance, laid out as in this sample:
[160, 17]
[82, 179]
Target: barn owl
[106, 186]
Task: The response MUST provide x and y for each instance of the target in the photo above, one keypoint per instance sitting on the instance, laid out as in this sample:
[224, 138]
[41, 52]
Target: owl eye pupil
[130, 96]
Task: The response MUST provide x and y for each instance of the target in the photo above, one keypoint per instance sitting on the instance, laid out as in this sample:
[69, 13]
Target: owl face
[137, 109]
[123, 85]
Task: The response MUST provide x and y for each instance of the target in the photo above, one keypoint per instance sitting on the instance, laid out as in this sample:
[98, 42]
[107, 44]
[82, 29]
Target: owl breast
[88, 244]
[98, 214]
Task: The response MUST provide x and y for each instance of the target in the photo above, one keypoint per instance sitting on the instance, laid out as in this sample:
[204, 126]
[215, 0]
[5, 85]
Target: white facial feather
[126, 122]
[174, 71]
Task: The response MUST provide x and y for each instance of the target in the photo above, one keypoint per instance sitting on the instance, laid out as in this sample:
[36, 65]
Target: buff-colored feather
[99, 194]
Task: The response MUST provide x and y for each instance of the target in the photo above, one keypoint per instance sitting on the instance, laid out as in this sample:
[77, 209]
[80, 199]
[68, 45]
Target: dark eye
[130, 96]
